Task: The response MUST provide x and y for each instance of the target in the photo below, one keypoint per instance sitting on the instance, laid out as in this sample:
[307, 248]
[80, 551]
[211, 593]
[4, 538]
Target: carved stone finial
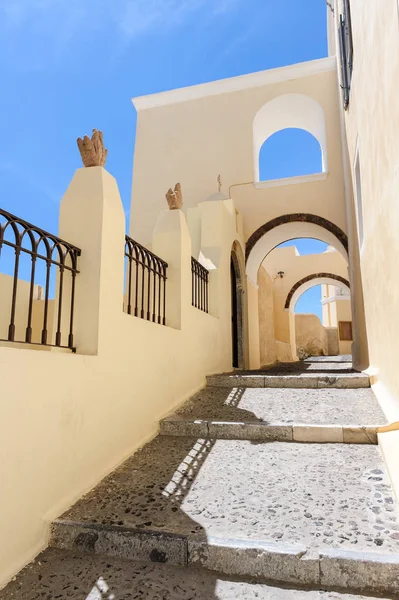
[219, 183]
[174, 197]
[92, 150]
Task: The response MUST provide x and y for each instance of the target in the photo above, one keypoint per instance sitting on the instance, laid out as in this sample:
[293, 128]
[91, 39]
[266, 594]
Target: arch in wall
[237, 270]
[287, 111]
[311, 281]
[290, 227]
[288, 153]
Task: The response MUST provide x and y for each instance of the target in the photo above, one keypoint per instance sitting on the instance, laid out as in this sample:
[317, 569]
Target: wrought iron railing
[54, 263]
[199, 285]
[145, 295]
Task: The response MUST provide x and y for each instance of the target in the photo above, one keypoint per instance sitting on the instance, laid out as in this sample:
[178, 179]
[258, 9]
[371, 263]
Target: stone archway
[296, 218]
[289, 227]
[319, 276]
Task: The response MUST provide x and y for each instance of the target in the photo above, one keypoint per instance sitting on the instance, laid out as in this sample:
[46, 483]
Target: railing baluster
[129, 293]
[150, 302]
[142, 284]
[28, 335]
[71, 316]
[149, 272]
[136, 295]
[206, 293]
[154, 291]
[46, 298]
[159, 292]
[11, 328]
[164, 294]
[58, 333]
[203, 291]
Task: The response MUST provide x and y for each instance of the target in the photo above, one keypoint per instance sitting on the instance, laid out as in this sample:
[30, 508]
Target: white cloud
[35, 34]
[131, 17]
[140, 16]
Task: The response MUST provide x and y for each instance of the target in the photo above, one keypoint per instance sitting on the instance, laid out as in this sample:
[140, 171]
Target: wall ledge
[260, 185]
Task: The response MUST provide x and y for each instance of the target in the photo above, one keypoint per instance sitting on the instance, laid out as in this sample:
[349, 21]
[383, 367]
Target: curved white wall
[288, 111]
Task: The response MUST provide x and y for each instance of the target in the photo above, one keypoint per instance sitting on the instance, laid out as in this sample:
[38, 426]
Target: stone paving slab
[73, 576]
[285, 406]
[314, 495]
[302, 380]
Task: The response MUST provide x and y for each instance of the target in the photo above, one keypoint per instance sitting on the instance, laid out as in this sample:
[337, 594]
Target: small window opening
[345, 331]
[291, 152]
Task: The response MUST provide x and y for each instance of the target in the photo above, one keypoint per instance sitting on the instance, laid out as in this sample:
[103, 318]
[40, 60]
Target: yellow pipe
[387, 428]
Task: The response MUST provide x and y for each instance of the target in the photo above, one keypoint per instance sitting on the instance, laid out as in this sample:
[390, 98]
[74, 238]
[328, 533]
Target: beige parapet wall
[21, 314]
[69, 419]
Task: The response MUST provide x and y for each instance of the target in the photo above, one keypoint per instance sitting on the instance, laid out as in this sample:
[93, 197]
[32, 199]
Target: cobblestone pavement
[319, 495]
[329, 406]
[70, 576]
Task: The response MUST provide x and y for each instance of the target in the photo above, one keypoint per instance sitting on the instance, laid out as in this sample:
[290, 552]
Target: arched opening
[310, 281]
[283, 269]
[237, 310]
[289, 111]
[329, 333]
[291, 227]
[290, 152]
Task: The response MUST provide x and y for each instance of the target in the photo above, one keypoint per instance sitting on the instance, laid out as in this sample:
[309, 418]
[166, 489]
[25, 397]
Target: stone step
[76, 576]
[307, 366]
[266, 432]
[302, 380]
[303, 514]
[303, 415]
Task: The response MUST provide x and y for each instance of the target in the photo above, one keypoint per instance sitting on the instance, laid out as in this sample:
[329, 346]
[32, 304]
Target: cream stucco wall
[71, 418]
[376, 59]
[266, 319]
[194, 134]
[372, 131]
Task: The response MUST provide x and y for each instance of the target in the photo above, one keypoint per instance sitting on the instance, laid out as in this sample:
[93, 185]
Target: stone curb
[123, 542]
[307, 381]
[364, 572]
[267, 432]
[361, 571]
[247, 558]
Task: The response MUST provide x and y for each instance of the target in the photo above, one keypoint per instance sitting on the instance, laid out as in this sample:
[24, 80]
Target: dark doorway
[234, 314]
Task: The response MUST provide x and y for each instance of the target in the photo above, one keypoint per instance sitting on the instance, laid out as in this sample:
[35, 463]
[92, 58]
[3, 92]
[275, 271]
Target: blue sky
[70, 65]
